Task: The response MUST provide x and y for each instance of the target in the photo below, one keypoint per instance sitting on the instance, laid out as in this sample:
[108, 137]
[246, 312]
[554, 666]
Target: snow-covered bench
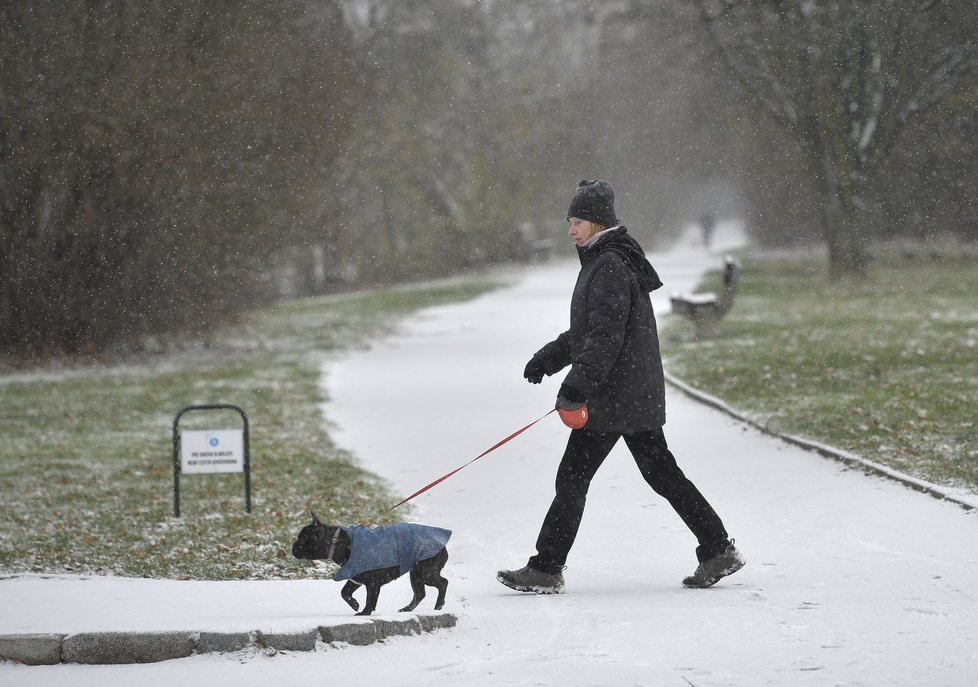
[535, 248]
[706, 309]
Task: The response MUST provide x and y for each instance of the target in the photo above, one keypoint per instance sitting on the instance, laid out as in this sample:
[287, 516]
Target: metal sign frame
[176, 451]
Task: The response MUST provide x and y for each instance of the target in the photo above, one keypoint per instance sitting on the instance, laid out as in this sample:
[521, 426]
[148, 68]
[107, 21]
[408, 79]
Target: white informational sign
[210, 451]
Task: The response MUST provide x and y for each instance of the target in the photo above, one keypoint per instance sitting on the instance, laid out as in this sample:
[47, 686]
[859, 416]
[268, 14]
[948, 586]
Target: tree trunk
[848, 251]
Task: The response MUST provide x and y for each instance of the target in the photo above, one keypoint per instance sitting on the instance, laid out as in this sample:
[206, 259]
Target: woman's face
[581, 230]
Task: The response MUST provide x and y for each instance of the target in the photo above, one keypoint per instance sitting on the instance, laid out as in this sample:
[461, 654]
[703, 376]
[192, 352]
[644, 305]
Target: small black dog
[375, 556]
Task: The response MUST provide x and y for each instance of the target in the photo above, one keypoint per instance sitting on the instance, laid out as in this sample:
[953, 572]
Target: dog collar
[332, 543]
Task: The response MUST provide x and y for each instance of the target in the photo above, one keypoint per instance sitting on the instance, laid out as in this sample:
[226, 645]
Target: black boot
[528, 579]
[711, 570]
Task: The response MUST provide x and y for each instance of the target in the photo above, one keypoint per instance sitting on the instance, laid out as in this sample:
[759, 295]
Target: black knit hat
[595, 202]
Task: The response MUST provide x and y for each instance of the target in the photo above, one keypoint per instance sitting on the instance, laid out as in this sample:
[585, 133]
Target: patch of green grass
[86, 472]
[886, 368]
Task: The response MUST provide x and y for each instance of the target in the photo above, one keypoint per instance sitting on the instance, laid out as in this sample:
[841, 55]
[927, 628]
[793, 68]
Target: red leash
[444, 477]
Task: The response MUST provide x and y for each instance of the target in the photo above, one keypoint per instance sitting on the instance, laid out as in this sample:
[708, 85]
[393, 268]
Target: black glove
[569, 398]
[534, 371]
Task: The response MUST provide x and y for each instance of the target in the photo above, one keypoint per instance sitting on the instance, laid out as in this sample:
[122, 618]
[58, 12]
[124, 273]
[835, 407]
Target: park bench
[707, 309]
[535, 248]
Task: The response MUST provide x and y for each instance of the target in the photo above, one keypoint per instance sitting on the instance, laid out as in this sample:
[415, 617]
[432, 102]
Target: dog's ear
[315, 520]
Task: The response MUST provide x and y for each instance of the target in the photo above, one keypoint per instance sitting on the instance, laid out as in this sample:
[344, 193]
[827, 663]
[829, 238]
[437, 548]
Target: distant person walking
[616, 383]
[708, 225]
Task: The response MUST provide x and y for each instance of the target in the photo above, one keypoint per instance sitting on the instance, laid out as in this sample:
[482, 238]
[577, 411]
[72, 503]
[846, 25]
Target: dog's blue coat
[402, 545]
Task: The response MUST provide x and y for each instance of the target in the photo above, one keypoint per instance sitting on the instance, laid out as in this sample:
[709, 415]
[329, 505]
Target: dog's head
[316, 541]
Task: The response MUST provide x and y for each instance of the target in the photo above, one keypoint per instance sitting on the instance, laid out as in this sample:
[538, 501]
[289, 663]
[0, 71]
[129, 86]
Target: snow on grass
[86, 478]
[884, 368]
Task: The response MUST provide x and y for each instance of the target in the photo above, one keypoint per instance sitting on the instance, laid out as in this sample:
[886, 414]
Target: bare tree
[846, 81]
[461, 140]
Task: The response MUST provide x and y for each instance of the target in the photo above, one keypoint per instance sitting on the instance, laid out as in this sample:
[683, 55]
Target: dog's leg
[417, 586]
[442, 586]
[429, 573]
[373, 594]
[347, 594]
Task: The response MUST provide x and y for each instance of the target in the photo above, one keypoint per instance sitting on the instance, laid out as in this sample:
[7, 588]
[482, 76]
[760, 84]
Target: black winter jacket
[612, 345]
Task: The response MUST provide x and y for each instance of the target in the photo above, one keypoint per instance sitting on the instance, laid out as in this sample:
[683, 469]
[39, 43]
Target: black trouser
[586, 451]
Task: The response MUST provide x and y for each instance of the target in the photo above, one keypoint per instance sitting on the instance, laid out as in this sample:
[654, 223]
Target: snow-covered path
[851, 579]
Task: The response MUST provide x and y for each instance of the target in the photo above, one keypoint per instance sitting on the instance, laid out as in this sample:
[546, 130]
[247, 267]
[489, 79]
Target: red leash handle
[444, 477]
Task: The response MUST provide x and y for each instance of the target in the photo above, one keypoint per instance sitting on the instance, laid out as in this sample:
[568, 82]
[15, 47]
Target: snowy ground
[851, 579]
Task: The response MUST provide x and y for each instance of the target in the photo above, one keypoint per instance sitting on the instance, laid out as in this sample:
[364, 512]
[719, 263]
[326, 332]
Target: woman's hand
[534, 371]
[572, 407]
[569, 398]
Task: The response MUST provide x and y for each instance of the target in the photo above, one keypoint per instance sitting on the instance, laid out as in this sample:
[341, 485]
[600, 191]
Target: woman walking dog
[616, 383]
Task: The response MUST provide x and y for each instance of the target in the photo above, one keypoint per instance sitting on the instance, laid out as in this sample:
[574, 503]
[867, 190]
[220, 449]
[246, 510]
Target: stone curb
[825, 450]
[149, 647]
[125, 647]
[33, 650]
